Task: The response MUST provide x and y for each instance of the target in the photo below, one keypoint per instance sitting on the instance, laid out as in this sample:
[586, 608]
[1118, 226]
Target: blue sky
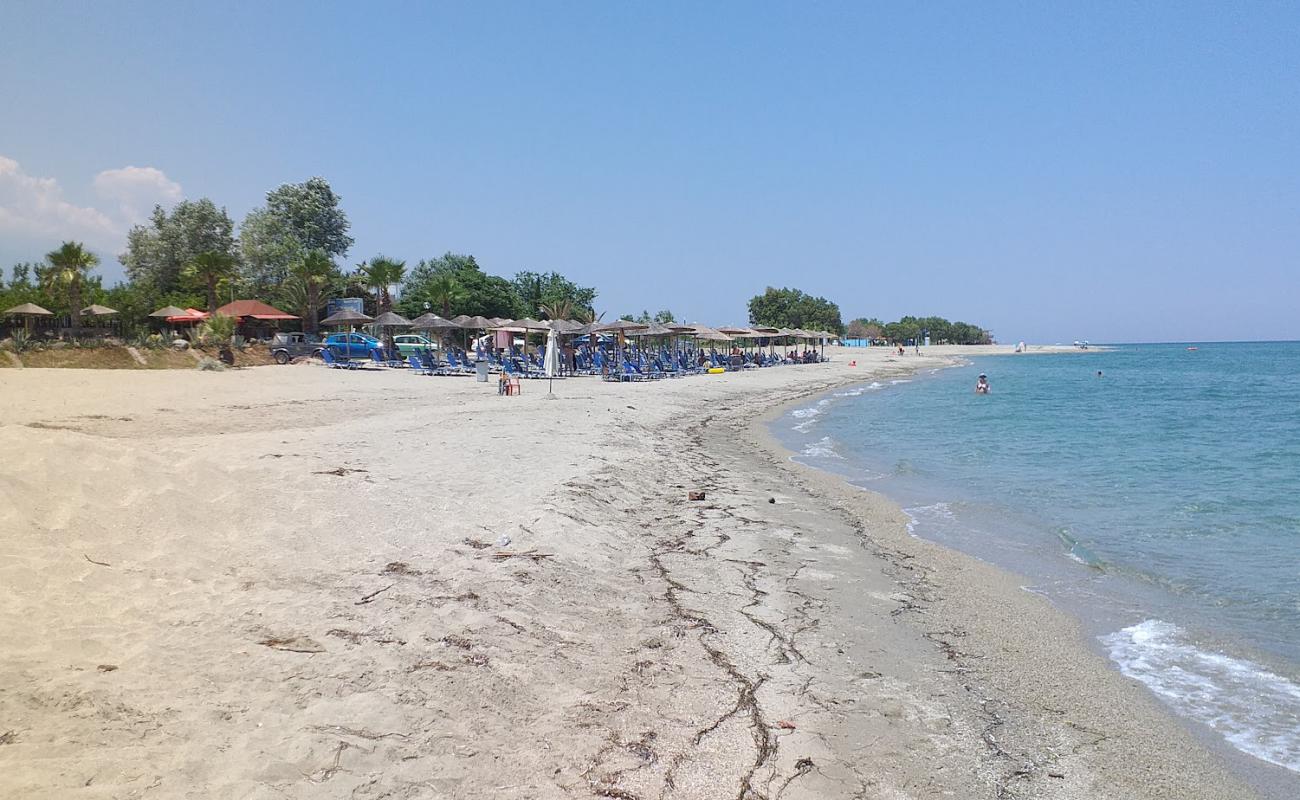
[1106, 171]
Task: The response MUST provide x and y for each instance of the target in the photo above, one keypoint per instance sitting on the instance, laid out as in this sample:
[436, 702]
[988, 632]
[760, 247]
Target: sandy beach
[297, 582]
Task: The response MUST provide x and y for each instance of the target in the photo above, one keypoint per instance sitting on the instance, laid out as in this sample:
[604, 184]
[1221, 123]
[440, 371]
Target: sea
[1153, 490]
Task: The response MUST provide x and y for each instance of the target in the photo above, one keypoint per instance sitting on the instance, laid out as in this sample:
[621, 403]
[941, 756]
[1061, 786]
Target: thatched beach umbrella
[710, 334]
[524, 326]
[346, 317]
[391, 319]
[477, 324]
[29, 312]
[620, 328]
[386, 322]
[96, 310]
[433, 322]
[168, 311]
[653, 329]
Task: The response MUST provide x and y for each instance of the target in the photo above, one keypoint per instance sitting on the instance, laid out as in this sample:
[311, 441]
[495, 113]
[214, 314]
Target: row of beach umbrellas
[33, 310]
[30, 312]
[432, 322]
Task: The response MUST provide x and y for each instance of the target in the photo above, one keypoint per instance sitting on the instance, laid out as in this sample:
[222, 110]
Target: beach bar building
[255, 319]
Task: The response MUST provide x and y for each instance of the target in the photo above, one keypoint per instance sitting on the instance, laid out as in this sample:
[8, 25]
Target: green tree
[537, 289]
[560, 309]
[69, 267]
[298, 218]
[443, 292]
[219, 328]
[479, 293]
[940, 331]
[20, 275]
[864, 328]
[379, 275]
[158, 253]
[791, 308]
[268, 252]
[209, 269]
[309, 212]
[19, 290]
[665, 317]
[316, 272]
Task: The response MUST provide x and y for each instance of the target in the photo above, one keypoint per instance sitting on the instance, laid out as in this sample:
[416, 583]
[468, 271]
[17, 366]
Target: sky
[1106, 171]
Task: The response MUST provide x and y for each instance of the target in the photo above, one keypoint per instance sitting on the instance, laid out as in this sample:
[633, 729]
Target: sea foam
[822, 448]
[1256, 710]
[940, 513]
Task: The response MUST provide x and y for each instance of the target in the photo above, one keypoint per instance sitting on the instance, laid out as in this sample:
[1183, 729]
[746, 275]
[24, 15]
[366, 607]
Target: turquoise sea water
[1159, 501]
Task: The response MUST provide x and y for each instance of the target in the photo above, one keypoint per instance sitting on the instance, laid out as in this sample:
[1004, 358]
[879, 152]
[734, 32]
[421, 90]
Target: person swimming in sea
[982, 385]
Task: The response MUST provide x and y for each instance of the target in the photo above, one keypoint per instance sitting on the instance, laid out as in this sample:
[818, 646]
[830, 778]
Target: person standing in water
[982, 385]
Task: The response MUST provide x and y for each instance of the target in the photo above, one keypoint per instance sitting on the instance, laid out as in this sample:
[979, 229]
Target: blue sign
[338, 304]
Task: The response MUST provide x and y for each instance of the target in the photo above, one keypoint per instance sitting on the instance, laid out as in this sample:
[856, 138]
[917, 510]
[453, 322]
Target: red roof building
[253, 309]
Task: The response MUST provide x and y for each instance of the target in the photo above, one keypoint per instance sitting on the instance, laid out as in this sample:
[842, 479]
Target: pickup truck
[285, 347]
[352, 345]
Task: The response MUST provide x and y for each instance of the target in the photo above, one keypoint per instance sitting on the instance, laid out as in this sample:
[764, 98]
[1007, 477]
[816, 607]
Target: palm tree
[587, 316]
[444, 291]
[316, 271]
[560, 309]
[211, 268]
[69, 267]
[379, 275]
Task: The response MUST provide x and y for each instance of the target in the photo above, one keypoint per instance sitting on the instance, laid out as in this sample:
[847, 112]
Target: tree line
[910, 330]
[286, 252]
[792, 308]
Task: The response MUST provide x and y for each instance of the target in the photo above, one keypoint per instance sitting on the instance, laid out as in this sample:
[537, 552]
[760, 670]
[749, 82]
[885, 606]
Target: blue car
[352, 345]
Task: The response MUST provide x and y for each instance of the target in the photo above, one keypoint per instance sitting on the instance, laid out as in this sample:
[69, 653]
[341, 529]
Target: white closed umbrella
[552, 354]
[552, 361]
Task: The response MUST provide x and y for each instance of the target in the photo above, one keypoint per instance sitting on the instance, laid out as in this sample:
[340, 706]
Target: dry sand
[287, 582]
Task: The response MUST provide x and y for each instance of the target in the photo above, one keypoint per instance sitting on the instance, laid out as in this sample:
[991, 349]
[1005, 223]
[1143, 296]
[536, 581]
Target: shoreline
[300, 582]
[1042, 651]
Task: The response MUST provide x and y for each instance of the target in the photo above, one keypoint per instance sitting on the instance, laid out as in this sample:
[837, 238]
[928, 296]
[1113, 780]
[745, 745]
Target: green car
[412, 343]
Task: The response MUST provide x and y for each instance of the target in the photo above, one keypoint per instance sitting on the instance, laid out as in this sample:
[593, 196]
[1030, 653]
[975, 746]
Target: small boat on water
[1193, 348]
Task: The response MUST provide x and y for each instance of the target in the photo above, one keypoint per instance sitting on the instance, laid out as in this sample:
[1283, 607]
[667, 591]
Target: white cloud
[35, 209]
[136, 190]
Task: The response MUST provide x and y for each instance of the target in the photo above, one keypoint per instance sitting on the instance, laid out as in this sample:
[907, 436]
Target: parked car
[352, 345]
[412, 343]
[287, 346]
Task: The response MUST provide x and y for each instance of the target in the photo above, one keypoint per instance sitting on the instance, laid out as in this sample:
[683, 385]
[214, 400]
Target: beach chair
[455, 366]
[334, 362]
[428, 360]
